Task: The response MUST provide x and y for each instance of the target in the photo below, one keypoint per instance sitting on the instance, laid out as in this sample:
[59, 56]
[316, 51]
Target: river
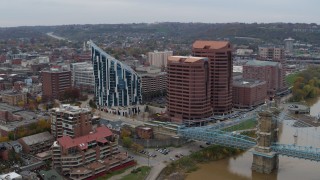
[239, 167]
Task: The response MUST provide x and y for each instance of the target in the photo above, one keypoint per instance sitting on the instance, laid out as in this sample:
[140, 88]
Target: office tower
[82, 76]
[220, 72]
[55, 82]
[116, 84]
[188, 90]
[70, 121]
[288, 45]
[159, 58]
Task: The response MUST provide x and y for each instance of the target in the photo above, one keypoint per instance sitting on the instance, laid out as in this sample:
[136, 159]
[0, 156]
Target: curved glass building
[116, 84]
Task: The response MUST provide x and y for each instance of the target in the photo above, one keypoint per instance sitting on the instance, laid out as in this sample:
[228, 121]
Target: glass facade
[116, 84]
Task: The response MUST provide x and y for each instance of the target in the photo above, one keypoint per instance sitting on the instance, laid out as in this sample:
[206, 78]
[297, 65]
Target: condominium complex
[82, 76]
[188, 89]
[159, 58]
[70, 121]
[116, 84]
[271, 53]
[87, 156]
[154, 82]
[268, 71]
[55, 82]
[219, 54]
[248, 93]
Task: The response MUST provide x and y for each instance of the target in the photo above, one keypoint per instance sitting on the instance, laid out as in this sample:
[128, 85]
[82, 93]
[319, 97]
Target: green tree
[127, 142]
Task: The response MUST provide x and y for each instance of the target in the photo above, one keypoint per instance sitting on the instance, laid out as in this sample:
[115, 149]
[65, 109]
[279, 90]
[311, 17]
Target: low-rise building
[144, 132]
[12, 117]
[36, 143]
[14, 98]
[11, 176]
[249, 93]
[88, 155]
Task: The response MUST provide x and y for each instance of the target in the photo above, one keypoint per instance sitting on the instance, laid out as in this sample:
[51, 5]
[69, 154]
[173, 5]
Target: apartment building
[188, 89]
[219, 54]
[55, 82]
[271, 53]
[116, 84]
[87, 156]
[159, 58]
[154, 82]
[70, 121]
[82, 76]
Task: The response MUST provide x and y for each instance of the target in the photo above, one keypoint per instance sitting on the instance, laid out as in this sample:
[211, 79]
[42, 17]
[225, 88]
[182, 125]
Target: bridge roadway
[215, 135]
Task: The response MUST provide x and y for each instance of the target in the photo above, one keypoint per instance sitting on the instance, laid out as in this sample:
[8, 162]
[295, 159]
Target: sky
[61, 12]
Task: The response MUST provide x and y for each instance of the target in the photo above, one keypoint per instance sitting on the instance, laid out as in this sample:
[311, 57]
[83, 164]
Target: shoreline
[181, 167]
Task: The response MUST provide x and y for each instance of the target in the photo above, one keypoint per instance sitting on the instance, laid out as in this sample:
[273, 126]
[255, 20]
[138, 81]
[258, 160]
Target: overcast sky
[57, 12]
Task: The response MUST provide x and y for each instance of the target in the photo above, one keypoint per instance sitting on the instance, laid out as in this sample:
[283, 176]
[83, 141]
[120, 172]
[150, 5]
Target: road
[112, 117]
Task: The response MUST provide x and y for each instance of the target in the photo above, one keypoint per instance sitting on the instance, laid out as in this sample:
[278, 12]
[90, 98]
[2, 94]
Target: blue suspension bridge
[216, 134]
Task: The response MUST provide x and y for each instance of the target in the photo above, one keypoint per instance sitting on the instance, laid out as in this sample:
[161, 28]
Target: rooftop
[247, 82]
[37, 138]
[261, 63]
[82, 142]
[211, 44]
[67, 108]
[186, 59]
[51, 174]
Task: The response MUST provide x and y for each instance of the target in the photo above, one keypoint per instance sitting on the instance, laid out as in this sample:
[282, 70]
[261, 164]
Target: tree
[70, 94]
[127, 142]
[136, 147]
[21, 103]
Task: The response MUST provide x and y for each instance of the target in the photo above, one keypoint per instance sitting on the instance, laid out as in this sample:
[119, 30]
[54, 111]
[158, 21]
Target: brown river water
[239, 167]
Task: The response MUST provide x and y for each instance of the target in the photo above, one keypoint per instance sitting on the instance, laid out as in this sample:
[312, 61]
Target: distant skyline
[60, 12]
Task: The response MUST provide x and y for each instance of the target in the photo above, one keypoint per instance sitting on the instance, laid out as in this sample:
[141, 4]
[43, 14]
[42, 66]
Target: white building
[82, 76]
[159, 58]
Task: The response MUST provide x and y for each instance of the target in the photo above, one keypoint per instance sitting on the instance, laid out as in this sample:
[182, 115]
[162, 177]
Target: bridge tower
[264, 159]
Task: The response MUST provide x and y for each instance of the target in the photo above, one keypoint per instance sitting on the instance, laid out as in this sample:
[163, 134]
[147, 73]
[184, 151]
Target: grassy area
[189, 163]
[141, 173]
[109, 175]
[249, 133]
[291, 77]
[249, 124]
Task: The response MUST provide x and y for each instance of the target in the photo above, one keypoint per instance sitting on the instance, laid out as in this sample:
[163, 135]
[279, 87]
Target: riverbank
[180, 168]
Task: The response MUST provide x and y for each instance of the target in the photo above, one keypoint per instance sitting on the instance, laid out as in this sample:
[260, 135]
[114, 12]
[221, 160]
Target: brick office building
[248, 93]
[219, 54]
[188, 89]
[54, 83]
[268, 71]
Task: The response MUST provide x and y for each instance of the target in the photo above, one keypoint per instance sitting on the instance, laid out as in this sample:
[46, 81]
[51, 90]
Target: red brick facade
[188, 89]
[220, 70]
